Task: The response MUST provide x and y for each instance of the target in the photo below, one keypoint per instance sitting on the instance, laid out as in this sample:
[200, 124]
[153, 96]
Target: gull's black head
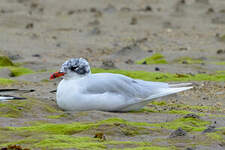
[75, 66]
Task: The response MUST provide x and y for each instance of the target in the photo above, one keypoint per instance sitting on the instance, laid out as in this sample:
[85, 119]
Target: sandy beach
[176, 40]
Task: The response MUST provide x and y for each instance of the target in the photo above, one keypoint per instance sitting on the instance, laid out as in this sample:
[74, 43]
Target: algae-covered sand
[154, 40]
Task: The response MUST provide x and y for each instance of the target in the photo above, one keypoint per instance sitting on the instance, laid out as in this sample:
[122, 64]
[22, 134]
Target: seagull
[80, 90]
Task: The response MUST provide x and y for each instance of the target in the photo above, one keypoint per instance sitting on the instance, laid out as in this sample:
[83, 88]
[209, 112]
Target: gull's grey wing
[121, 85]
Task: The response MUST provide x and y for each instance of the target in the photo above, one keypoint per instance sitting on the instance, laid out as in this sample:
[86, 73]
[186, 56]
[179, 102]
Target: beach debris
[192, 115]
[29, 26]
[210, 129]
[108, 64]
[14, 57]
[178, 132]
[157, 69]
[36, 55]
[129, 61]
[220, 51]
[14, 147]
[133, 21]
[100, 136]
[148, 8]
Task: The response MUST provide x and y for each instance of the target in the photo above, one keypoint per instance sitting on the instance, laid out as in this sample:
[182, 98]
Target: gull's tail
[167, 91]
[160, 92]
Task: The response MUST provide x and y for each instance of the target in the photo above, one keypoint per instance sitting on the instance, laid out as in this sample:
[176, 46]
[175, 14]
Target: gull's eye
[73, 68]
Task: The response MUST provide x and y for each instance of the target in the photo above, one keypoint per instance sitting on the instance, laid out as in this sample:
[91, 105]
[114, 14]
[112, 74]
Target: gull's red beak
[56, 75]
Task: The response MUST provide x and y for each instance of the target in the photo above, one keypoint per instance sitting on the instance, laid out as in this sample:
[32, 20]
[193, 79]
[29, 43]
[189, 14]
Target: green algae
[5, 61]
[51, 109]
[14, 109]
[64, 141]
[187, 124]
[57, 116]
[219, 135]
[156, 58]
[5, 81]
[69, 129]
[188, 60]
[122, 121]
[20, 108]
[49, 135]
[50, 128]
[221, 38]
[18, 71]
[67, 141]
[159, 76]
[15, 69]
[219, 63]
[216, 136]
[59, 142]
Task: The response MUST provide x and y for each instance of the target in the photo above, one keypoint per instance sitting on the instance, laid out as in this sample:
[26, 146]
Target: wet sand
[42, 34]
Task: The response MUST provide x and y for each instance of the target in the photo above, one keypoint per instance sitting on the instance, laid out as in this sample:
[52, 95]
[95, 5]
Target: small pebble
[189, 148]
[15, 57]
[108, 64]
[144, 63]
[210, 10]
[192, 115]
[133, 21]
[93, 9]
[36, 55]
[182, 2]
[210, 129]
[184, 62]
[178, 132]
[70, 12]
[148, 8]
[58, 45]
[129, 61]
[54, 37]
[33, 5]
[29, 26]
[100, 136]
[157, 69]
[183, 49]
[220, 51]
